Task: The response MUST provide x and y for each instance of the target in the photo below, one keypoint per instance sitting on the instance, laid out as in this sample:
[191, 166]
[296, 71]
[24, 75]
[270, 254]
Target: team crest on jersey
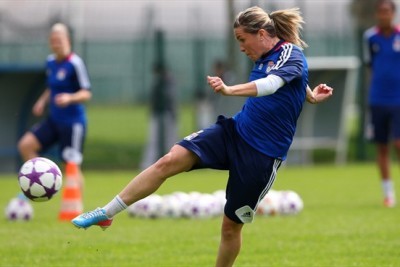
[193, 135]
[61, 73]
[260, 66]
[271, 64]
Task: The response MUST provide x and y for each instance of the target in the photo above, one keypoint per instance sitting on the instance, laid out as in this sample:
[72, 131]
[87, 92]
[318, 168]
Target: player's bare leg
[383, 159]
[28, 146]
[231, 241]
[178, 160]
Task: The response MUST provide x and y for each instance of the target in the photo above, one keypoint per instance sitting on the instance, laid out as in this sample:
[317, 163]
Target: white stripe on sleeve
[81, 71]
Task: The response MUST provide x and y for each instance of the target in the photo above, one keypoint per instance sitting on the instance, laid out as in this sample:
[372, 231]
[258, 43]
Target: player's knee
[27, 144]
[23, 145]
[164, 164]
[230, 229]
[175, 161]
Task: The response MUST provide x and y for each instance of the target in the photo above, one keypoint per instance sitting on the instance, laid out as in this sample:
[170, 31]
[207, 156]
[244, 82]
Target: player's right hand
[218, 85]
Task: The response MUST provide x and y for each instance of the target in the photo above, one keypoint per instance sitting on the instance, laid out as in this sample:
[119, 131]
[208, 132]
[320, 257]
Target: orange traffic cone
[71, 203]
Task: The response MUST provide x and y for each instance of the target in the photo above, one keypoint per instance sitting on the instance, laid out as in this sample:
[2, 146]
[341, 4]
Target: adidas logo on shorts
[245, 214]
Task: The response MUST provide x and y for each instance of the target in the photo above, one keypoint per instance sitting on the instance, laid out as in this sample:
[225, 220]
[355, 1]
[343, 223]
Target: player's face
[385, 15]
[58, 42]
[251, 44]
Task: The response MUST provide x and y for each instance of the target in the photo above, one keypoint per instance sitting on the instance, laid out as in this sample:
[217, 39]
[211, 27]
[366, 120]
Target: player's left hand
[322, 92]
[63, 99]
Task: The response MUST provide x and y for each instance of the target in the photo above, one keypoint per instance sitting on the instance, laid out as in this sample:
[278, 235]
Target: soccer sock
[114, 207]
[387, 186]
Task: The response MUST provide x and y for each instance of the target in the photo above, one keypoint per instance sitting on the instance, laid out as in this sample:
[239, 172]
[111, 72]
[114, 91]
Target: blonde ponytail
[286, 24]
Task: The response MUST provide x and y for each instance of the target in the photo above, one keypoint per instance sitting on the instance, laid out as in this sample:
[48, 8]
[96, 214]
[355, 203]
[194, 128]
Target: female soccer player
[382, 54]
[68, 87]
[253, 143]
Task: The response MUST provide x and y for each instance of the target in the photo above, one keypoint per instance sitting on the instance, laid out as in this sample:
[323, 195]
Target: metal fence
[116, 39]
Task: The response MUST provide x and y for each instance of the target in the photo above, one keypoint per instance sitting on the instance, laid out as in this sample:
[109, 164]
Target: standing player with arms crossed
[253, 143]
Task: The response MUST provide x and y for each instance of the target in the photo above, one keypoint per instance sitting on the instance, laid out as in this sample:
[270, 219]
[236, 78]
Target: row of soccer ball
[40, 179]
[198, 205]
[180, 204]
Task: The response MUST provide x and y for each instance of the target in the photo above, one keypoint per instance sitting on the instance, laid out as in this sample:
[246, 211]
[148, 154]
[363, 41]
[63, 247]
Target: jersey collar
[276, 47]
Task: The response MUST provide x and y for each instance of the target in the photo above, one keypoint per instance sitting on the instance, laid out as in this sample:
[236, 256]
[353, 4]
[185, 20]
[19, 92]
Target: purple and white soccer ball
[220, 198]
[148, 207]
[200, 206]
[171, 206]
[290, 203]
[40, 179]
[19, 209]
[269, 205]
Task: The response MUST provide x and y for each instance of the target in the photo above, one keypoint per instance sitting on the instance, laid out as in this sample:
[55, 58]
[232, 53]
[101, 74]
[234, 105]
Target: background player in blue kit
[68, 86]
[382, 54]
[253, 143]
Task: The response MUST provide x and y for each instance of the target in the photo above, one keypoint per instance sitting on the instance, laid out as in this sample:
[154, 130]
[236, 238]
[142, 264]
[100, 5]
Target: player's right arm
[41, 103]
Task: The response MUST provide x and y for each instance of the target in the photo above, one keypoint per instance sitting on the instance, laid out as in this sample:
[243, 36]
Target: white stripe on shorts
[277, 162]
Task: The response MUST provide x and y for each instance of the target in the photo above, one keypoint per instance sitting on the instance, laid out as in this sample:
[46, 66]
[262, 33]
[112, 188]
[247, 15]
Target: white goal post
[325, 125]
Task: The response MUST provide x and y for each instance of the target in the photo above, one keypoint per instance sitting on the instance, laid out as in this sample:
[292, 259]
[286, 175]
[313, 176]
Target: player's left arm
[319, 94]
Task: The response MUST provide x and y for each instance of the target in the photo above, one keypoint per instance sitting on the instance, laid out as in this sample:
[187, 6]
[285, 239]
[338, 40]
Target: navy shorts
[69, 138]
[251, 173]
[385, 123]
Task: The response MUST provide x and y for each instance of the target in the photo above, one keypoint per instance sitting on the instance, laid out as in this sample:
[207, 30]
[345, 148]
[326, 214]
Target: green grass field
[343, 224]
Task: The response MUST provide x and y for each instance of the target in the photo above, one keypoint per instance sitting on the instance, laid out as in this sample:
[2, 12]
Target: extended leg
[179, 159]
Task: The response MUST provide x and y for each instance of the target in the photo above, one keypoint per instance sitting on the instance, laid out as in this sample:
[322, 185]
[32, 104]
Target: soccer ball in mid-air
[19, 209]
[39, 179]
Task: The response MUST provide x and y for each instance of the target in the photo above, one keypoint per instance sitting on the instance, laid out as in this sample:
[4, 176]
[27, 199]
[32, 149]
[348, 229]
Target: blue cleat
[96, 217]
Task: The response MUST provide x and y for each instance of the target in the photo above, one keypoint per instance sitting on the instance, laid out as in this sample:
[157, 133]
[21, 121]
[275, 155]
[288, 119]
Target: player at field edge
[382, 56]
[68, 87]
[253, 143]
